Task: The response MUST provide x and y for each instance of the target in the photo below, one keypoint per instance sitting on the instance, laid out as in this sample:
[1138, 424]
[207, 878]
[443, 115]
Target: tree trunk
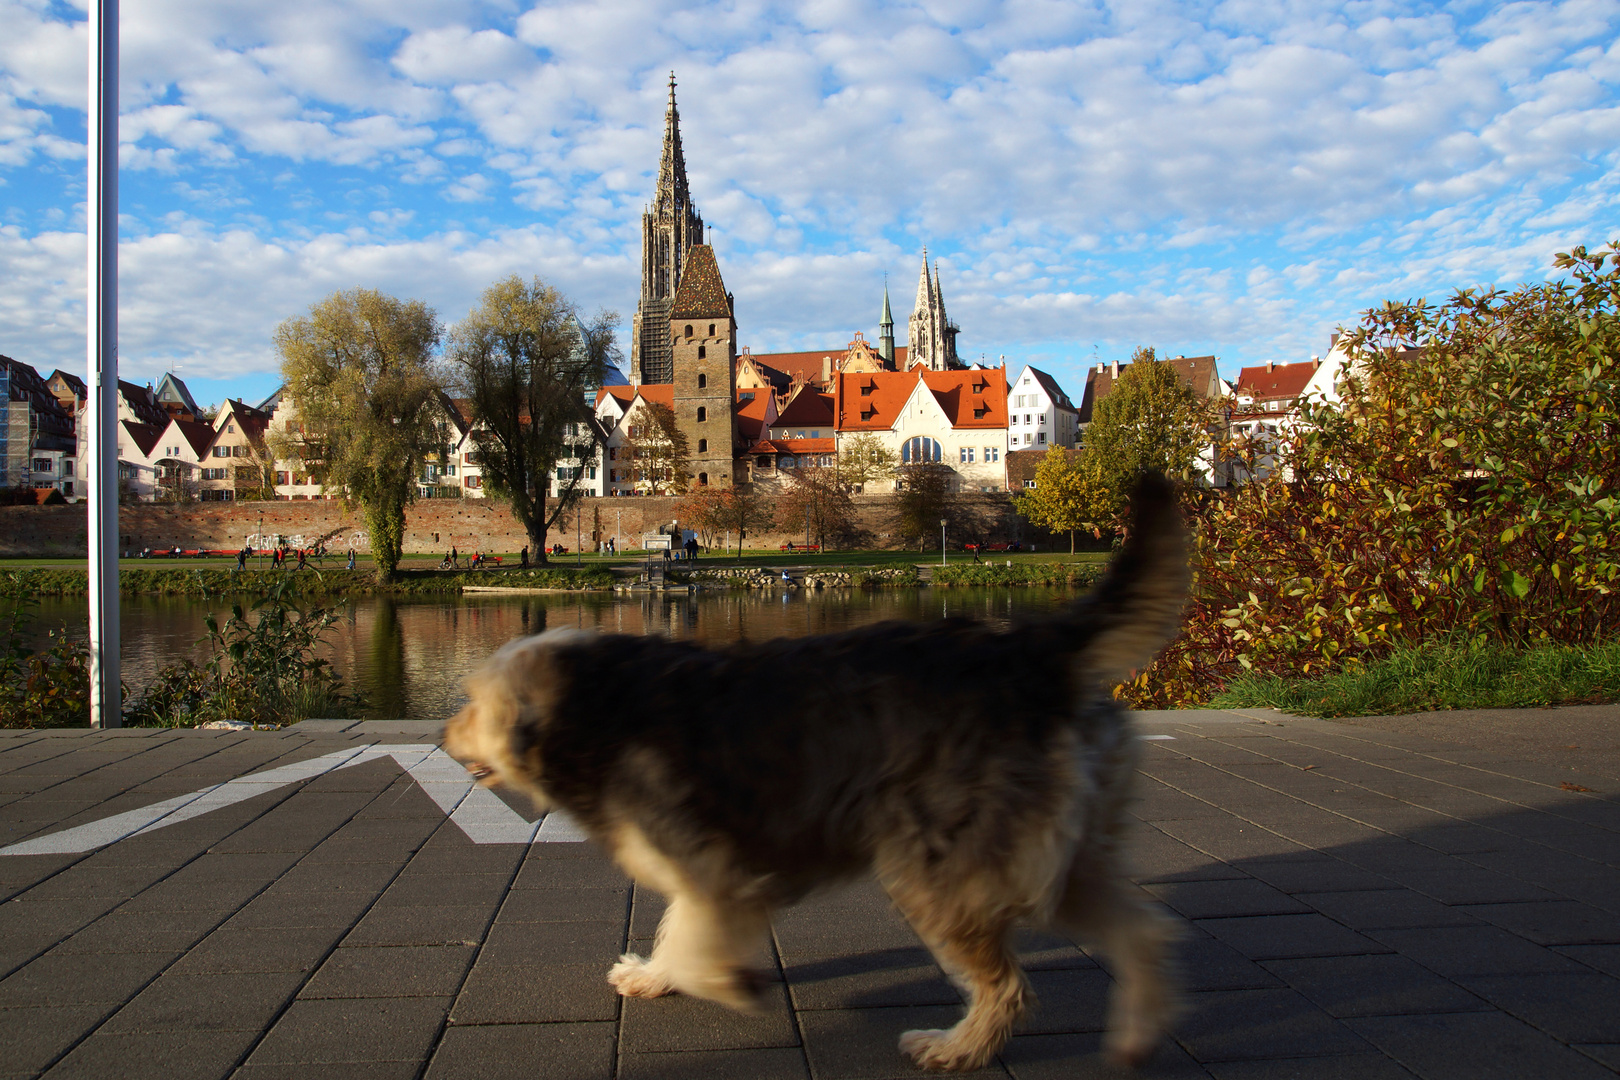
[1071, 541]
[537, 541]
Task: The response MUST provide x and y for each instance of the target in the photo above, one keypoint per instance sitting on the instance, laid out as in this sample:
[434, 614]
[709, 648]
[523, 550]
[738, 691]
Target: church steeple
[670, 228]
[931, 342]
[886, 329]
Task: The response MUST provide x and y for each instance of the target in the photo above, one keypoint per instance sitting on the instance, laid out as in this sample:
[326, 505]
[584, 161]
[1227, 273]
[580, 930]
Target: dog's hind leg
[975, 951]
[704, 948]
[1137, 940]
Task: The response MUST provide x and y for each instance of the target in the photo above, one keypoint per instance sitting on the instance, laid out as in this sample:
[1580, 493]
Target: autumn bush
[1464, 490]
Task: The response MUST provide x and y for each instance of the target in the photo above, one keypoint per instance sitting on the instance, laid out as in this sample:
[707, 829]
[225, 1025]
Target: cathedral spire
[673, 194]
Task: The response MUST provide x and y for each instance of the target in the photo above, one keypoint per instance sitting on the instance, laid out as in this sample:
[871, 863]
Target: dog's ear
[1136, 608]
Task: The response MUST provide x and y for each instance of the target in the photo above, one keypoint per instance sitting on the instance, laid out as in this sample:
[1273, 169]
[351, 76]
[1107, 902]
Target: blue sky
[1237, 178]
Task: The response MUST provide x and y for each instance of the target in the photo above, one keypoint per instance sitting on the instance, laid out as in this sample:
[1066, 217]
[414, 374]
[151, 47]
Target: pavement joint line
[268, 885]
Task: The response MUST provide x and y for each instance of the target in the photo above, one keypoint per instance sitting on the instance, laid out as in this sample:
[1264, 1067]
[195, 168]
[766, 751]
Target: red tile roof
[145, 436]
[973, 398]
[1280, 381]
[809, 408]
[806, 366]
[752, 410]
[794, 446]
[658, 393]
[198, 434]
[871, 401]
[624, 394]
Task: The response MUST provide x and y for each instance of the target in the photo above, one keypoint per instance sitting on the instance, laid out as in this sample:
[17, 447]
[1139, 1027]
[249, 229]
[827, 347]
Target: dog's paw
[631, 977]
[1130, 1049]
[935, 1049]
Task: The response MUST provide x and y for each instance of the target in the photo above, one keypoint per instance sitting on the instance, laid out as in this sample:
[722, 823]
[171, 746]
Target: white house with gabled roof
[1039, 413]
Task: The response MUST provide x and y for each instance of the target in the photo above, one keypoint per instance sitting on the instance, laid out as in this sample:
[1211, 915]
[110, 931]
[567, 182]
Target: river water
[408, 656]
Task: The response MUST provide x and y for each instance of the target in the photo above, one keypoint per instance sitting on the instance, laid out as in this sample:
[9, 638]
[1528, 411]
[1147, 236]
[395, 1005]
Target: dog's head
[510, 700]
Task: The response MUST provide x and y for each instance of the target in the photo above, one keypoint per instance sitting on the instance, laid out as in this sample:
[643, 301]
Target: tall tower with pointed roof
[670, 228]
[702, 331]
[886, 329]
[931, 342]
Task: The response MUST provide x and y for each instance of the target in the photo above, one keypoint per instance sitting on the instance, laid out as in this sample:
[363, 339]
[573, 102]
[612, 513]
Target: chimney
[1115, 372]
[1271, 365]
[826, 369]
[1333, 341]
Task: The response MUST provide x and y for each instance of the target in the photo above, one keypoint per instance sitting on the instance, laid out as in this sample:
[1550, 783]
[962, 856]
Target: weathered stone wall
[431, 526]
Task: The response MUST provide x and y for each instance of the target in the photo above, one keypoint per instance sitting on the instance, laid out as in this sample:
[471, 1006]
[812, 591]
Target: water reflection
[408, 656]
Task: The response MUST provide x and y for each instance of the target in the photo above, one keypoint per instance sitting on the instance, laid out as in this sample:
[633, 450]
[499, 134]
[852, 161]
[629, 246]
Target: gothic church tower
[702, 332]
[669, 230]
[932, 339]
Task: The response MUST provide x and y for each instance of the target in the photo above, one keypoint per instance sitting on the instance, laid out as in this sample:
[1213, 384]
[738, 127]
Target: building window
[1042, 420]
[703, 479]
[992, 454]
[703, 380]
[964, 455]
[1028, 438]
[1042, 439]
[1029, 483]
[703, 351]
[919, 450]
[230, 429]
[703, 446]
[711, 329]
[703, 414]
[688, 329]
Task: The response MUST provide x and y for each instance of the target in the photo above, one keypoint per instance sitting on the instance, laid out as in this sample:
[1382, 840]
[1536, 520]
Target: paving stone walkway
[1369, 899]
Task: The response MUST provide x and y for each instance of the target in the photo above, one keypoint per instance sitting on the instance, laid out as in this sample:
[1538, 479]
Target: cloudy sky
[1237, 178]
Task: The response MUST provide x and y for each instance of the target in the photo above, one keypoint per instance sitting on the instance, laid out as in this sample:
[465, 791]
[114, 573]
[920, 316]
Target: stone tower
[703, 346]
[669, 229]
[886, 329]
[932, 338]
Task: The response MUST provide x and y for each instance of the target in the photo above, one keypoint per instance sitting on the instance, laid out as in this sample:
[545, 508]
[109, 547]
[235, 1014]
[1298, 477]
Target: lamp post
[942, 541]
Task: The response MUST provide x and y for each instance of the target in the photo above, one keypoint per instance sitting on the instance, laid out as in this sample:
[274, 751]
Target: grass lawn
[1443, 676]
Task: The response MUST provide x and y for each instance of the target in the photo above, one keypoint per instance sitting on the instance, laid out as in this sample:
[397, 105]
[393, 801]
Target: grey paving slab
[1388, 912]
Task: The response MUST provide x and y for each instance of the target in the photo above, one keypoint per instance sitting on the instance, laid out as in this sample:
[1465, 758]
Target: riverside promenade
[1433, 896]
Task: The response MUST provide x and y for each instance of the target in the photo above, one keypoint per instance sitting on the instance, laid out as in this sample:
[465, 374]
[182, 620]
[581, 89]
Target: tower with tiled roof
[703, 360]
[931, 342]
[669, 229]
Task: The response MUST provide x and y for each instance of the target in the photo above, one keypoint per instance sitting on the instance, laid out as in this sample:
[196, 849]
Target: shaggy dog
[982, 775]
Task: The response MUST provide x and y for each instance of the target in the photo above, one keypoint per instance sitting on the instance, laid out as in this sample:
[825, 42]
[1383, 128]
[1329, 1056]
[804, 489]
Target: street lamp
[942, 541]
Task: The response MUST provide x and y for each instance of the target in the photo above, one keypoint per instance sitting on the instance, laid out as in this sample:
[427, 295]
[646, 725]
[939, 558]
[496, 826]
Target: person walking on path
[668, 556]
[524, 555]
[241, 560]
[302, 557]
[275, 559]
[454, 565]
[692, 548]
[351, 558]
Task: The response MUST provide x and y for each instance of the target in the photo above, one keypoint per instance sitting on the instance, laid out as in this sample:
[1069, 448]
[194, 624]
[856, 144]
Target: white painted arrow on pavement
[480, 814]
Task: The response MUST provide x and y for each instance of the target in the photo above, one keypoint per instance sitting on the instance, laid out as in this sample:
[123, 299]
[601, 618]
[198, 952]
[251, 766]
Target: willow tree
[527, 363]
[362, 378]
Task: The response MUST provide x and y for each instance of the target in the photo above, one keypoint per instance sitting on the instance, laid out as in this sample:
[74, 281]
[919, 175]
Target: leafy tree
[1150, 420]
[863, 459]
[527, 363]
[657, 449]
[1068, 494]
[817, 496]
[923, 499]
[360, 369]
[717, 510]
[1465, 487]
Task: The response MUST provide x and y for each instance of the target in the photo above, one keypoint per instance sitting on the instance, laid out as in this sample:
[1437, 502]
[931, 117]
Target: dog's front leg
[703, 948]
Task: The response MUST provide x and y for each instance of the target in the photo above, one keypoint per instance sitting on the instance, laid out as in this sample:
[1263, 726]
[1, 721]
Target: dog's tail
[1136, 609]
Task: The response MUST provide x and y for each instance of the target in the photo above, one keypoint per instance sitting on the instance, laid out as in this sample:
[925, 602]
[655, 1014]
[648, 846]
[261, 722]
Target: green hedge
[332, 581]
[1082, 575]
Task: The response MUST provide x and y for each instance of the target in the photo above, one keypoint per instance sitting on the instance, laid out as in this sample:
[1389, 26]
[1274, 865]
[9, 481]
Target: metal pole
[942, 541]
[106, 705]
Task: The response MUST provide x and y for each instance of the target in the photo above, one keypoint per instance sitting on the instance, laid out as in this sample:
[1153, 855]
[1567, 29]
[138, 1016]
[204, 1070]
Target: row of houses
[792, 410]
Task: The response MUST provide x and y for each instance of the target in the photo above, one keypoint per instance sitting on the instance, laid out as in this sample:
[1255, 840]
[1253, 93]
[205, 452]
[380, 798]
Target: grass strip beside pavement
[331, 580]
[1081, 574]
[1442, 675]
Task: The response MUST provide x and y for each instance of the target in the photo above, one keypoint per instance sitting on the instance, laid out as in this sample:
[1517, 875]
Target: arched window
[703, 479]
[688, 329]
[703, 414]
[920, 450]
[703, 446]
[711, 329]
[703, 351]
[703, 380]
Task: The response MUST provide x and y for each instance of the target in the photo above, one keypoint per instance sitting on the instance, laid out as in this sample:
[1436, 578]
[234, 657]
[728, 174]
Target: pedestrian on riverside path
[301, 558]
[525, 557]
[275, 560]
[351, 558]
[453, 564]
[692, 548]
[241, 560]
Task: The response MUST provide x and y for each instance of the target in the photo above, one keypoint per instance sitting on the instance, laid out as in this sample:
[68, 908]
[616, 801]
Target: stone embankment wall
[431, 525]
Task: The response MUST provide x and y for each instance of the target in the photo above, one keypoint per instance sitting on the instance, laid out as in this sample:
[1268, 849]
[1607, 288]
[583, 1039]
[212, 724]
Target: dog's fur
[982, 775]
